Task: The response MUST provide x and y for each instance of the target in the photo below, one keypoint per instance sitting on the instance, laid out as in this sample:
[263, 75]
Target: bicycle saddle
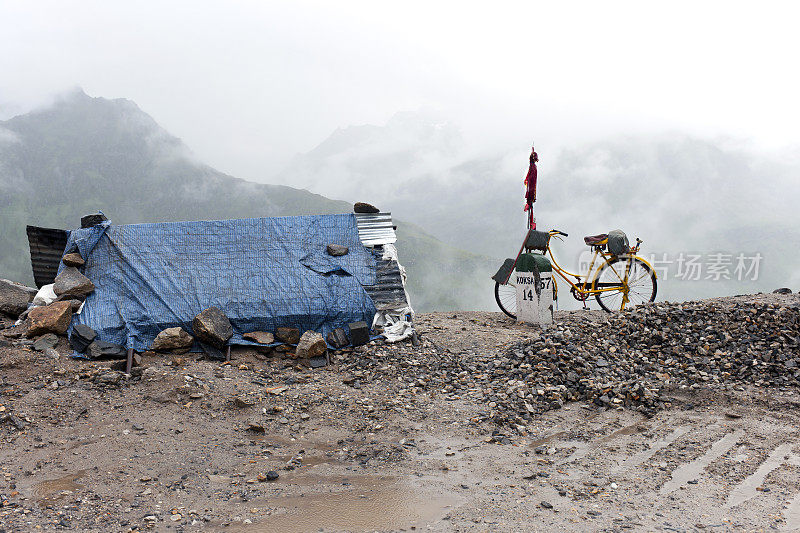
[594, 240]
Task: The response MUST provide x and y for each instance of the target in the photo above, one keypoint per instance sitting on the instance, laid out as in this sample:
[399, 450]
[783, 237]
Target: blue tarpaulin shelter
[263, 273]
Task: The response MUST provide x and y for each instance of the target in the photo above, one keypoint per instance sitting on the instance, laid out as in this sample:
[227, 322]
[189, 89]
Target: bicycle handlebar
[557, 232]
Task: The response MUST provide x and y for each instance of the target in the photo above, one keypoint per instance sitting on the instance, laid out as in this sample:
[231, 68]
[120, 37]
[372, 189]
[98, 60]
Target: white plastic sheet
[45, 296]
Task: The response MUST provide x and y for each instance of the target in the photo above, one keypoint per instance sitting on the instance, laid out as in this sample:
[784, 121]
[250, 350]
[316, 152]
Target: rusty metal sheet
[47, 246]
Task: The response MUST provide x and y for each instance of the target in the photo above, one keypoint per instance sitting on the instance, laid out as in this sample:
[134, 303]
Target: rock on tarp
[262, 273]
[212, 327]
[73, 260]
[70, 282]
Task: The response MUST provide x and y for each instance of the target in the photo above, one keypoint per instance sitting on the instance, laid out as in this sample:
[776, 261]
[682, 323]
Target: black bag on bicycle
[537, 240]
[618, 243]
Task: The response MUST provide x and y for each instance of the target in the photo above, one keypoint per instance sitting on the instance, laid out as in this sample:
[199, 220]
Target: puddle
[747, 488]
[54, 489]
[690, 471]
[354, 503]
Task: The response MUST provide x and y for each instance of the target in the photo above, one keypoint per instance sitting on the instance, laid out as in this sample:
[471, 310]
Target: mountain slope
[84, 154]
[682, 195]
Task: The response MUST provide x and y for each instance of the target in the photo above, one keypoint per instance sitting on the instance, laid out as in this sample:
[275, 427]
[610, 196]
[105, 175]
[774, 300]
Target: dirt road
[189, 445]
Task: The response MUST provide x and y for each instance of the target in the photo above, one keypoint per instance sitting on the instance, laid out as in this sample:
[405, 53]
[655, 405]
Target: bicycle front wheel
[506, 296]
[621, 273]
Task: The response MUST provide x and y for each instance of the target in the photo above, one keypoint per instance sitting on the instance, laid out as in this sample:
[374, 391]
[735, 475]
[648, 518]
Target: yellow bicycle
[616, 281]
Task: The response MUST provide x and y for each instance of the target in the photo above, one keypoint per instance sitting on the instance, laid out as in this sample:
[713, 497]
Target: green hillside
[85, 154]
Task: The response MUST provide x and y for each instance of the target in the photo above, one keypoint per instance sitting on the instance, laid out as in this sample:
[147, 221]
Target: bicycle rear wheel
[506, 296]
[642, 285]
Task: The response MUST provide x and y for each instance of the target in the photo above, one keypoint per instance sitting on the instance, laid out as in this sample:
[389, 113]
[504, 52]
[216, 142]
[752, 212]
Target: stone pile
[633, 358]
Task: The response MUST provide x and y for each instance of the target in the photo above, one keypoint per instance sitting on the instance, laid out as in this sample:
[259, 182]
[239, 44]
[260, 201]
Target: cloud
[7, 137]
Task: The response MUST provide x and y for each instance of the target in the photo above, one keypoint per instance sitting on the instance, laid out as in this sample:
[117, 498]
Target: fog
[675, 122]
[250, 84]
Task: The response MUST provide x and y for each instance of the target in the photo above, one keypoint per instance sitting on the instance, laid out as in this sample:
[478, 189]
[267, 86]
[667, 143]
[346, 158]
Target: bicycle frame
[590, 286]
[584, 287]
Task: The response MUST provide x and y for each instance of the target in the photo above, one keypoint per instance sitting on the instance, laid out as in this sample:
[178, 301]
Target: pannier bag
[505, 271]
[618, 242]
[537, 240]
[533, 263]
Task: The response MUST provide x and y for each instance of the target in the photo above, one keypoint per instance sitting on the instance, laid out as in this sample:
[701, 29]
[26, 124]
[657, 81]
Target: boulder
[73, 260]
[363, 207]
[359, 333]
[106, 350]
[53, 318]
[782, 290]
[338, 338]
[337, 250]
[72, 283]
[48, 340]
[261, 337]
[311, 345]
[81, 337]
[288, 335]
[94, 219]
[172, 339]
[14, 297]
[212, 327]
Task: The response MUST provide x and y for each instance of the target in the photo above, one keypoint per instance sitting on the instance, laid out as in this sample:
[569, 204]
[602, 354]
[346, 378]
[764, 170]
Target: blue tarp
[261, 272]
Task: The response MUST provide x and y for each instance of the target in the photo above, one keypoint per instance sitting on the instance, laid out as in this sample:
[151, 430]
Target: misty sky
[248, 84]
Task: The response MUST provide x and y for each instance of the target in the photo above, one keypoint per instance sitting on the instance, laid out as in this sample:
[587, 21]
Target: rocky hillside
[84, 154]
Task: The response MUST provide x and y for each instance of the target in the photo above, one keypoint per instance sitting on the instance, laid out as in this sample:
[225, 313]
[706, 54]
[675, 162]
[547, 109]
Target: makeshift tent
[263, 273]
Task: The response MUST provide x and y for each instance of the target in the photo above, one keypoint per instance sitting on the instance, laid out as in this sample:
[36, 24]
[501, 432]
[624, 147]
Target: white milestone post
[533, 308]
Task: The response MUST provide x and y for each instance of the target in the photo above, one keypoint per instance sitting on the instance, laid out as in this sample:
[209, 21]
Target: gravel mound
[636, 359]
[630, 358]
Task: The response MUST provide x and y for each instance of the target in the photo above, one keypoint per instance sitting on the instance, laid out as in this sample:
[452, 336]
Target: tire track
[655, 447]
[746, 490]
[689, 471]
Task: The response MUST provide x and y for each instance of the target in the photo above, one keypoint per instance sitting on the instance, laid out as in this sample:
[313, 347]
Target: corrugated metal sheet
[388, 292]
[376, 228]
[47, 246]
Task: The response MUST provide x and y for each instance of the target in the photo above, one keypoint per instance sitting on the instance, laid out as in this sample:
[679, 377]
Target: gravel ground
[656, 434]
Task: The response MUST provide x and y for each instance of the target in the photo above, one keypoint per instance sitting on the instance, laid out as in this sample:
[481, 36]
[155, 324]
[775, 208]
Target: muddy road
[193, 445]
